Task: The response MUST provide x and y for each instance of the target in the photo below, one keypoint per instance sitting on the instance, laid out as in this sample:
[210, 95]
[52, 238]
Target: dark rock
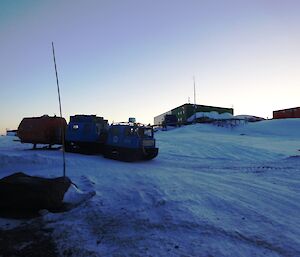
[21, 192]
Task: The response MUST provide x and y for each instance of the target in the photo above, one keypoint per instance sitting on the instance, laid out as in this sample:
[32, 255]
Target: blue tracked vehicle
[126, 141]
[86, 134]
[130, 142]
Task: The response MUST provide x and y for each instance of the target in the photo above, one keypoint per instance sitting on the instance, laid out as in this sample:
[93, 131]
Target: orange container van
[42, 130]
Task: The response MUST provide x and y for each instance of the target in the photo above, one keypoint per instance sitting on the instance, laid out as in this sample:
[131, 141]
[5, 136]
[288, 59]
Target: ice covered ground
[212, 191]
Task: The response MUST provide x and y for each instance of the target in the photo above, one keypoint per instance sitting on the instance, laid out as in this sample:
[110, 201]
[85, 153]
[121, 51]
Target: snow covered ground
[212, 191]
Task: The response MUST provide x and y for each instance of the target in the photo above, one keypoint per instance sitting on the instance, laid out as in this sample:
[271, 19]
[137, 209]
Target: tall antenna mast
[194, 91]
[194, 99]
[62, 128]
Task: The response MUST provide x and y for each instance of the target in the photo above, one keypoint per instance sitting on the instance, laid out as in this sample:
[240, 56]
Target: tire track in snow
[255, 241]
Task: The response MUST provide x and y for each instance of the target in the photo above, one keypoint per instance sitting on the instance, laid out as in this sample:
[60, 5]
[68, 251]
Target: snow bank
[74, 196]
[249, 117]
[264, 140]
[288, 128]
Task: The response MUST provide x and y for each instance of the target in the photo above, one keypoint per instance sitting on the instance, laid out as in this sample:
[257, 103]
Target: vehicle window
[144, 132]
[148, 132]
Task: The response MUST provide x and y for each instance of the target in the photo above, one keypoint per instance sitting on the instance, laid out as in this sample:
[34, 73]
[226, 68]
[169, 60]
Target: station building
[185, 111]
[287, 113]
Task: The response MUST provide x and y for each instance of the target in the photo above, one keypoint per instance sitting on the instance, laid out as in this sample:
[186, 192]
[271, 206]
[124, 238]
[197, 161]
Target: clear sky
[137, 58]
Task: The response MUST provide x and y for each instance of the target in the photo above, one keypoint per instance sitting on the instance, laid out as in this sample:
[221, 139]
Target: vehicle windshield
[139, 131]
[145, 132]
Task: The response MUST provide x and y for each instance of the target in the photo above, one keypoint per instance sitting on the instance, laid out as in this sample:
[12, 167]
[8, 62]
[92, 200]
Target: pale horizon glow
[131, 58]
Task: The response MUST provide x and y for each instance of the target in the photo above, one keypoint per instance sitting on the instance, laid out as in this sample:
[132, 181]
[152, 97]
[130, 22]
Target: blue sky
[121, 59]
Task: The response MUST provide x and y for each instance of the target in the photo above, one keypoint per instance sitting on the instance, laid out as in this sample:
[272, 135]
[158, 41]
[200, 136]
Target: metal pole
[62, 128]
[194, 99]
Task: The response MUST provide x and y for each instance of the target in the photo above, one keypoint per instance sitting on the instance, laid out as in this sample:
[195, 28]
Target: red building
[287, 113]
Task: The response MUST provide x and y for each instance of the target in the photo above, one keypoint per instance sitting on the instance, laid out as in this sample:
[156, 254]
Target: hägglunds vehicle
[129, 141]
[86, 134]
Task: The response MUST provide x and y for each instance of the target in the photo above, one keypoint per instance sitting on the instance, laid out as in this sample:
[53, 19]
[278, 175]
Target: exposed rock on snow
[21, 193]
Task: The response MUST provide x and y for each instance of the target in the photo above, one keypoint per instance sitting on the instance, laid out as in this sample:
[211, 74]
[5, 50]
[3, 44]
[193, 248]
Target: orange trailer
[42, 130]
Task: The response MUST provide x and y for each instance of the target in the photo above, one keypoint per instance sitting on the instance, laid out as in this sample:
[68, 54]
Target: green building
[185, 111]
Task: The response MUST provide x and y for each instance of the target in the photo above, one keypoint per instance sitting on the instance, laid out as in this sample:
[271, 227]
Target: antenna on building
[62, 128]
[189, 100]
